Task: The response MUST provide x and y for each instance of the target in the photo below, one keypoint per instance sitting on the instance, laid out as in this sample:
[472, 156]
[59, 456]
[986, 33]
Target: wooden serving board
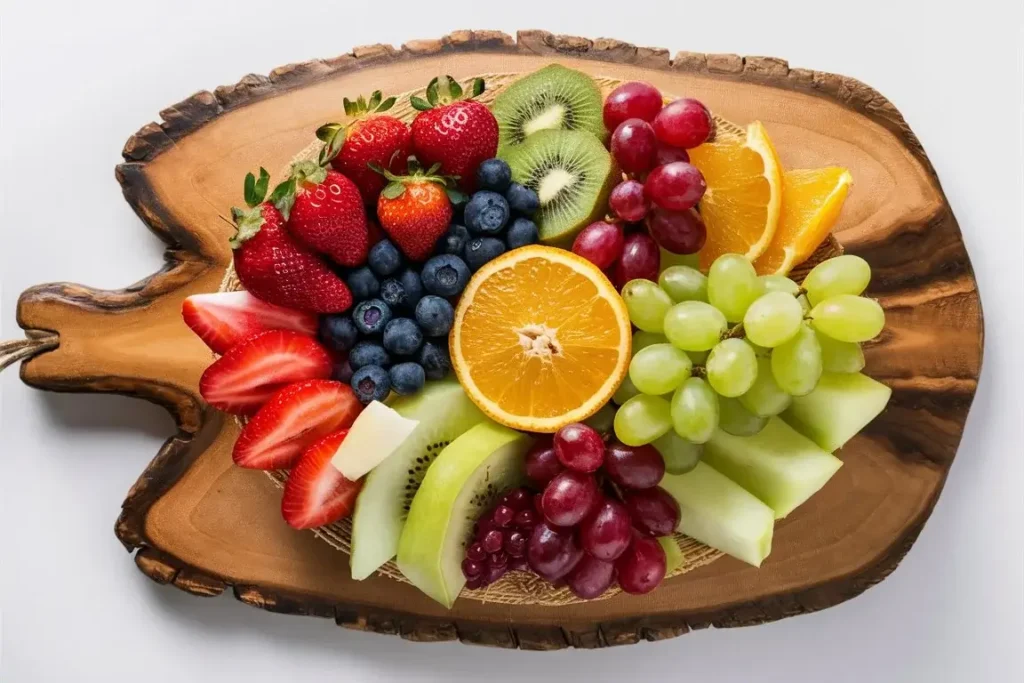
[195, 521]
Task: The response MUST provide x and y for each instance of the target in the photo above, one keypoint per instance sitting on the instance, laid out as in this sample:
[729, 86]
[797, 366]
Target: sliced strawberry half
[291, 420]
[316, 492]
[224, 319]
[245, 377]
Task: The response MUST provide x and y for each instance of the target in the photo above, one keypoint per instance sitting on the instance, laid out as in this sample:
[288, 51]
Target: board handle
[34, 343]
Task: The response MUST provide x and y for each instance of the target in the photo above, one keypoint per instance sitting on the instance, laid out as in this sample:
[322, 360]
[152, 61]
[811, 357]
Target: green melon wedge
[839, 407]
[463, 481]
[722, 514]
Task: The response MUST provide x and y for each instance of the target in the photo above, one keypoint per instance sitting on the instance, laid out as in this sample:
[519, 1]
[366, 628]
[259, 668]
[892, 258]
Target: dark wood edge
[181, 450]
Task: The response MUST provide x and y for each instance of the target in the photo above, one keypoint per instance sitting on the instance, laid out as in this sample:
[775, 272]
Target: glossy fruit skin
[552, 552]
[681, 232]
[627, 201]
[607, 532]
[666, 154]
[677, 186]
[223, 319]
[633, 146]
[380, 139]
[579, 447]
[653, 511]
[459, 136]
[640, 260]
[634, 467]
[275, 268]
[541, 463]
[635, 99]
[600, 243]
[685, 123]
[642, 567]
[569, 498]
[417, 218]
[591, 577]
[316, 493]
[329, 218]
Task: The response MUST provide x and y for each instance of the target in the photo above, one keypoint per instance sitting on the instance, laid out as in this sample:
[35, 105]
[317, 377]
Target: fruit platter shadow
[195, 522]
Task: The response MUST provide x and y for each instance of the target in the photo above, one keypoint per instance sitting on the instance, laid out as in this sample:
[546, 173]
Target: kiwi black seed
[554, 98]
[418, 470]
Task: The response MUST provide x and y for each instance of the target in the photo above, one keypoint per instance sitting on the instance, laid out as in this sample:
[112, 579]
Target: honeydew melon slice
[839, 407]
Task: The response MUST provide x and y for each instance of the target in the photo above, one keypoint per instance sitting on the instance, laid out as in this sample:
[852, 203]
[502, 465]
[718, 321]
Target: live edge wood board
[198, 523]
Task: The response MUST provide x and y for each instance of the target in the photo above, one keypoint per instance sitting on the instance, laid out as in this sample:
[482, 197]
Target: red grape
[498, 559]
[519, 564]
[591, 577]
[552, 552]
[527, 519]
[678, 186]
[503, 516]
[493, 541]
[681, 232]
[568, 498]
[654, 511]
[579, 447]
[606, 533]
[475, 582]
[627, 201]
[494, 572]
[471, 568]
[684, 123]
[515, 544]
[639, 467]
[666, 154]
[631, 100]
[517, 499]
[633, 146]
[642, 567]
[640, 260]
[600, 243]
[476, 552]
[541, 462]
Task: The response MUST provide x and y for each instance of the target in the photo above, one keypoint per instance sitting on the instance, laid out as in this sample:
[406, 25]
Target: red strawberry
[316, 492]
[457, 133]
[415, 211]
[273, 266]
[245, 377]
[327, 214]
[370, 138]
[223, 319]
[295, 417]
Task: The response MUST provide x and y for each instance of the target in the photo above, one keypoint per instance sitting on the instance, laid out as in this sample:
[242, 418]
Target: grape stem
[698, 371]
[735, 332]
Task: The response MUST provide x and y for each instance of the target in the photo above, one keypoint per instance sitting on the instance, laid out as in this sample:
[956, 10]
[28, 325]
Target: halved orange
[741, 206]
[541, 339]
[811, 202]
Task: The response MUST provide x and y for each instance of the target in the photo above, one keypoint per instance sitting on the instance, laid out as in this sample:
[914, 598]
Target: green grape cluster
[729, 350]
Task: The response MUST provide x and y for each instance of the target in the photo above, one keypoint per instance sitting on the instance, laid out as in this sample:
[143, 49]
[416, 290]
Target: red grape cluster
[500, 538]
[649, 143]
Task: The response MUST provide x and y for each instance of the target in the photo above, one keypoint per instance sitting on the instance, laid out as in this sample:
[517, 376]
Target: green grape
[683, 283]
[642, 419]
[772, 319]
[847, 274]
[796, 365]
[668, 259]
[680, 455]
[694, 326]
[733, 285]
[659, 369]
[805, 305]
[626, 391]
[734, 419]
[641, 340]
[695, 411]
[698, 357]
[646, 303]
[779, 283]
[848, 318]
[603, 419]
[840, 356]
[731, 367]
[759, 351]
[765, 398]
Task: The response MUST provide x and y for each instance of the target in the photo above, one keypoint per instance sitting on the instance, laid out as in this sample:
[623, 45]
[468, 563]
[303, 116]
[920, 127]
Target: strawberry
[372, 137]
[223, 319]
[316, 492]
[456, 132]
[272, 265]
[294, 417]
[245, 377]
[415, 210]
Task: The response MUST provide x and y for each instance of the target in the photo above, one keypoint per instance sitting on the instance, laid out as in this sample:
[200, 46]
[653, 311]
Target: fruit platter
[531, 342]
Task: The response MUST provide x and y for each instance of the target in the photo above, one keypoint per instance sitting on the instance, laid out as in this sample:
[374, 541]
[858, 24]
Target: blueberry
[434, 359]
[410, 280]
[402, 337]
[384, 258]
[481, 250]
[445, 275]
[434, 315]
[371, 383]
[371, 316]
[522, 199]
[337, 332]
[342, 372]
[523, 231]
[363, 284]
[453, 241]
[368, 353]
[494, 174]
[487, 213]
[407, 378]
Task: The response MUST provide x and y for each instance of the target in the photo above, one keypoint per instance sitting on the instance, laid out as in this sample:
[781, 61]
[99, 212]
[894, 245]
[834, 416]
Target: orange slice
[744, 195]
[541, 339]
[811, 201]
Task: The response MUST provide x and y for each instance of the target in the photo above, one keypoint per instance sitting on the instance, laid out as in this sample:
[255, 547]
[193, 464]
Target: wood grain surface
[195, 521]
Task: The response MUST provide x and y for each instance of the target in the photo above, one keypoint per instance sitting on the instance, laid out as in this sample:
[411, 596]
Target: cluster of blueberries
[396, 335]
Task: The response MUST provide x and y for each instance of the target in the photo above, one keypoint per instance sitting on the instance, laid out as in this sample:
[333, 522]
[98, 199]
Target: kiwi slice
[554, 98]
[572, 173]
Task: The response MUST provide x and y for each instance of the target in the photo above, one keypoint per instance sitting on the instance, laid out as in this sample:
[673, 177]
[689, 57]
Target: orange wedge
[811, 201]
[744, 196]
[541, 339]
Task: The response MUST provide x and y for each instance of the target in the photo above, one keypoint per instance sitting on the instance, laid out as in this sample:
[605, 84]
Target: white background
[79, 77]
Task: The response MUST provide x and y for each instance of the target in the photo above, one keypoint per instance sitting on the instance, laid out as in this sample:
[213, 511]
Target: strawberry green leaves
[255, 190]
[333, 134]
[445, 90]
